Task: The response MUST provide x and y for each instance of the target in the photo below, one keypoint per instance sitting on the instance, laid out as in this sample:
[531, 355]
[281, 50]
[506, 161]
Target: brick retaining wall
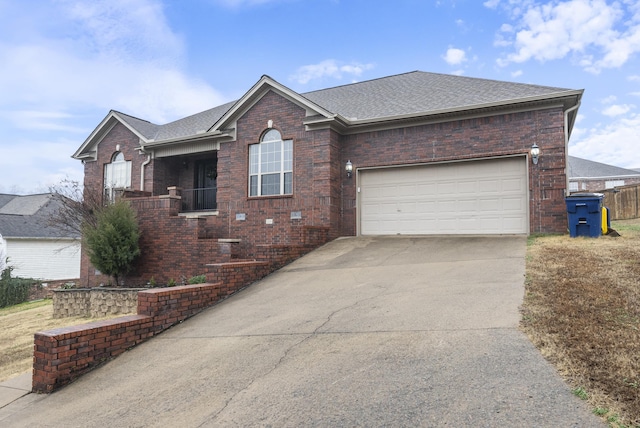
[64, 354]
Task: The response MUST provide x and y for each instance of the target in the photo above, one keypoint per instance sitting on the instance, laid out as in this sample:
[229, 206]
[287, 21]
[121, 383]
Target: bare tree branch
[77, 206]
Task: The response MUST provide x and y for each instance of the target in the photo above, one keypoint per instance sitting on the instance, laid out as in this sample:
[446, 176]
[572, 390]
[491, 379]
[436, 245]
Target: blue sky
[66, 63]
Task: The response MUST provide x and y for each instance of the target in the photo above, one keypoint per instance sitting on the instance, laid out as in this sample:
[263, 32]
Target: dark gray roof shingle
[29, 217]
[420, 92]
[192, 125]
[406, 94]
[583, 168]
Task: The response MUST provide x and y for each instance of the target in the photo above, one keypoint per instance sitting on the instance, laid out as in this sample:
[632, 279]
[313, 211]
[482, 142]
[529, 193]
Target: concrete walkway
[393, 331]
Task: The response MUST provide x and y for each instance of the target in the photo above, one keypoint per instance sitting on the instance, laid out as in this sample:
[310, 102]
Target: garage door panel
[478, 197]
[513, 204]
[513, 185]
[446, 188]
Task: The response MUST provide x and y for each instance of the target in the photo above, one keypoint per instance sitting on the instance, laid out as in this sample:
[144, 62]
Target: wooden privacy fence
[623, 202]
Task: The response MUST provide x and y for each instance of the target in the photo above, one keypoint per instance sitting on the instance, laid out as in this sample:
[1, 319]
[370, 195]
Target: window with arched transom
[271, 165]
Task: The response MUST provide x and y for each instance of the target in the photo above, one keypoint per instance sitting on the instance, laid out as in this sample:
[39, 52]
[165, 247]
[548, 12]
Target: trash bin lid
[586, 195]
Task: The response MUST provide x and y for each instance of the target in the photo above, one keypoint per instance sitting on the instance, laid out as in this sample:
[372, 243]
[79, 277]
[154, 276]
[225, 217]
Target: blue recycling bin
[584, 212]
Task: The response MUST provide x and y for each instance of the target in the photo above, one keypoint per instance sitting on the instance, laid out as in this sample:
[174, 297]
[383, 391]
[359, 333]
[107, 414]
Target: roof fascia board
[356, 127]
[188, 139]
[604, 177]
[95, 138]
[43, 238]
[262, 87]
[101, 131]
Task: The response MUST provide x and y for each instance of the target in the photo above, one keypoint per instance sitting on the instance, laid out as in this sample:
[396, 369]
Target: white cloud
[328, 68]
[614, 144]
[608, 100]
[491, 4]
[37, 165]
[617, 110]
[65, 63]
[517, 73]
[455, 56]
[122, 55]
[598, 34]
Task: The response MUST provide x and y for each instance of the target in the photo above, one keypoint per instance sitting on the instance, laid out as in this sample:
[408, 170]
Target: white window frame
[272, 156]
[610, 184]
[117, 175]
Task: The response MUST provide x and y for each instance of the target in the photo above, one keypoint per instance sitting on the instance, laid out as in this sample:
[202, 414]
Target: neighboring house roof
[29, 217]
[401, 97]
[585, 169]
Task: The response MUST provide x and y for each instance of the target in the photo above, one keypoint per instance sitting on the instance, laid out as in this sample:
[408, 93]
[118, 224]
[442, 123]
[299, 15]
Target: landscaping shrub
[112, 243]
[13, 290]
[198, 279]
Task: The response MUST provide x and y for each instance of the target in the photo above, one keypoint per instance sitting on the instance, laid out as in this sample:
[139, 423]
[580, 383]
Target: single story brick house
[427, 154]
[589, 176]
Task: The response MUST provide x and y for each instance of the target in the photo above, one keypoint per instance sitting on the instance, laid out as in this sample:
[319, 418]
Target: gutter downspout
[566, 145]
[144, 164]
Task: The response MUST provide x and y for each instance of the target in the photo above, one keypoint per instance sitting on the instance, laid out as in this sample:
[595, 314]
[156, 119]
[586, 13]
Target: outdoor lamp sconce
[535, 152]
[349, 168]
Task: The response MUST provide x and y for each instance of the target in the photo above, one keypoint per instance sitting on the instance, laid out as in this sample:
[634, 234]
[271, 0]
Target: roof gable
[142, 128]
[264, 85]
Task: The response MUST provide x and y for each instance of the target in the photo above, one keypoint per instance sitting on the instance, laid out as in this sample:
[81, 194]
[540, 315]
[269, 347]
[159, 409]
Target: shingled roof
[29, 217]
[415, 94]
[400, 95]
[421, 92]
[586, 169]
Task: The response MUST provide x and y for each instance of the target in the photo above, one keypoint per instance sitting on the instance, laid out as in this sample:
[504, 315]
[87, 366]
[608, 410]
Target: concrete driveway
[397, 331]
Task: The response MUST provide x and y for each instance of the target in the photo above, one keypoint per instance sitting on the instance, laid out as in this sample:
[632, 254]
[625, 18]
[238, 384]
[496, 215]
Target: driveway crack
[284, 356]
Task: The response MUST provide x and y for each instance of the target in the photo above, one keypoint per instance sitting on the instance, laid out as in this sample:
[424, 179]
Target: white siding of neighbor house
[53, 259]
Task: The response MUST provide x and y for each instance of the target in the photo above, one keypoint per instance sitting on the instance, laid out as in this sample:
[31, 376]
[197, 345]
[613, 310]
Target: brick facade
[599, 185]
[176, 246]
[64, 354]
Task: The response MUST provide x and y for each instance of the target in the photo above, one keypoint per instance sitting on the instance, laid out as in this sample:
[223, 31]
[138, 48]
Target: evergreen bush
[112, 243]
[13, 290]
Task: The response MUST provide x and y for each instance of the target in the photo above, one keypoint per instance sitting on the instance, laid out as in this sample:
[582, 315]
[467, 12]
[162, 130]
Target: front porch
[194, 175]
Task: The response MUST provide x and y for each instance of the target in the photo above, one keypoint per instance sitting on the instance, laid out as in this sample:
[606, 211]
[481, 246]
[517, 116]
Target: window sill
[258, 198]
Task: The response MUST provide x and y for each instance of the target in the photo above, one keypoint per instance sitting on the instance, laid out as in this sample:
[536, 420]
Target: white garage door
[477, 197]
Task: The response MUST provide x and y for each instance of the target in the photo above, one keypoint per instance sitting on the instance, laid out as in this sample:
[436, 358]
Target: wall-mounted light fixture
[535, 153]
[349, 168]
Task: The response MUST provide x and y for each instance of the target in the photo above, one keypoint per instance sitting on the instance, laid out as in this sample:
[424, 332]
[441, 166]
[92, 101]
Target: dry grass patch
[582, 310]
[19, 323]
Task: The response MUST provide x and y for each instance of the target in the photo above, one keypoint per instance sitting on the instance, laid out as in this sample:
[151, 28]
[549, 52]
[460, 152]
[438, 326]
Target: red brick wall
[64, 354]
[500, 135]
[322, 193]
[128, 141]
[314, 194]
[599, 185]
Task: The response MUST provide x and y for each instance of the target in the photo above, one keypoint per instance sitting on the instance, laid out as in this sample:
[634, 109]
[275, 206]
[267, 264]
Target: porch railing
[203, 199]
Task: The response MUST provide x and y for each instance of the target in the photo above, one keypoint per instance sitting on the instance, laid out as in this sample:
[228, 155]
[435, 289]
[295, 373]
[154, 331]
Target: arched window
[271, 165]
[117, 174]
